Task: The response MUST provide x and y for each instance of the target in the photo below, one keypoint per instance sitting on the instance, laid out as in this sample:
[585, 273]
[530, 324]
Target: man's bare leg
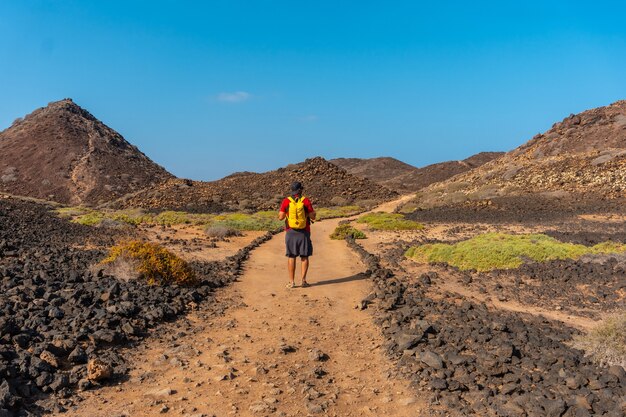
[291, 266]
[305, 268]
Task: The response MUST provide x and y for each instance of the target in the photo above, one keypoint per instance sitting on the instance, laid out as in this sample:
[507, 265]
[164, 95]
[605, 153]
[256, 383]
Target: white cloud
[309, 118]
[236, 97]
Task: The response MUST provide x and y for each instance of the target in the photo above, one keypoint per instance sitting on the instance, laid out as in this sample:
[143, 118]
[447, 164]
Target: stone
[78, 356]
[98, 370]
[431, 359]
[49, 358]
[407, 340]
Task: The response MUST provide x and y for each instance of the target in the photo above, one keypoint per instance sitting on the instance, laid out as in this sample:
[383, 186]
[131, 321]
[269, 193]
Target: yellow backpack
[296, 218]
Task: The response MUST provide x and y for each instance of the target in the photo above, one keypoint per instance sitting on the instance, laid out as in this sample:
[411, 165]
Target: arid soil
[472, 350]
[376, 334]
[274, 351]
[57, 312]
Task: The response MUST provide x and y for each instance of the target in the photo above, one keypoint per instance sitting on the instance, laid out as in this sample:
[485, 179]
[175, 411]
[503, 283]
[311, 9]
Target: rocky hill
[326, 184]
[582, 155]
[403, 177]
[63, 153]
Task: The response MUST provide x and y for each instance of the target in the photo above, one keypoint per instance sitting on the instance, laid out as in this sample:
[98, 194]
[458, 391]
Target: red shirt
[308, 207]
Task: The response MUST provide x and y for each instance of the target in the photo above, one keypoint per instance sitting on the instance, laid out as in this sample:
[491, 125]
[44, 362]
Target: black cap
[296, 187]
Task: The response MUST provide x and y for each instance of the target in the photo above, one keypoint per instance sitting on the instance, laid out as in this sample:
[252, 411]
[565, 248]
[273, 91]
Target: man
[298, 212]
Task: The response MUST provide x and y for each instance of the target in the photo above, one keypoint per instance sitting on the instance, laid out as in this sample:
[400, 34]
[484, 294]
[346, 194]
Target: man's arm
[282, 213]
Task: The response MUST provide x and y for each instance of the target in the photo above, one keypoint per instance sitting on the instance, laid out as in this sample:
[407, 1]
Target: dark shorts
[298, 243]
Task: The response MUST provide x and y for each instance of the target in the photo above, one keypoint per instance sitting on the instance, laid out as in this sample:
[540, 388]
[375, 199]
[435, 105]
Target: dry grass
[155, 264]
[221, 232]
[606, 344]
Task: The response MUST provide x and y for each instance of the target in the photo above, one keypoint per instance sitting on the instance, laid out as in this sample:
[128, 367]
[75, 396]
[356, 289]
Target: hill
[583, 155]
[403, 177]
[63, 153]
[326, 184]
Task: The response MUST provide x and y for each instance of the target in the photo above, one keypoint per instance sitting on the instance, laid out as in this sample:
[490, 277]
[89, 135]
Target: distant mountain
[326, 184]
[63, 153]
[403, 177]
[585, 154]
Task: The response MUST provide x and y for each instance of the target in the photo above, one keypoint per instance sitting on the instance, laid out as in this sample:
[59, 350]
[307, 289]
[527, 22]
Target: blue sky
[209, 88]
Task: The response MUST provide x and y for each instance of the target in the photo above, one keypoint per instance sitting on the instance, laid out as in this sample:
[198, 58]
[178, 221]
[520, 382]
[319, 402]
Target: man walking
[298, 212]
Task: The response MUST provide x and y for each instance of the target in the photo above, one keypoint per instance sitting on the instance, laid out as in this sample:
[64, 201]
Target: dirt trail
[277, 351]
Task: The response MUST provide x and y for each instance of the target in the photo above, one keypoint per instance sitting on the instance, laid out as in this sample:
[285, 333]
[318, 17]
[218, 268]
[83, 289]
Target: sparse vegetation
[339, 211]
[345, 230]
[606, 343]
[221, 232]
[155, 264]
[505, 251]
[264, 220]
[389, 221]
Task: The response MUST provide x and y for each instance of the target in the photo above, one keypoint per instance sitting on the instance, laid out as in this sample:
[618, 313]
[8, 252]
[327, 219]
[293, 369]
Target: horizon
[214, 89]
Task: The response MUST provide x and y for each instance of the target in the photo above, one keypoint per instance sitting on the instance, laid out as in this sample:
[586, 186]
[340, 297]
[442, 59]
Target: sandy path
[267, 355]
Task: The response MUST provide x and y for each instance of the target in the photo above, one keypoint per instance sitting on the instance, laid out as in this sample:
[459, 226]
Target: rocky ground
[324, 182]
[472, 359]
[525, 209]
[57, 314]
[487, 344]
[404, 178]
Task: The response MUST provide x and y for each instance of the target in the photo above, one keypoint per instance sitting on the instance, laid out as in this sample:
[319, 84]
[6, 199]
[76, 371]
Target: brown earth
[584, 153]
[63, 153]
[278, 351]
[402, 177]
[325, 183]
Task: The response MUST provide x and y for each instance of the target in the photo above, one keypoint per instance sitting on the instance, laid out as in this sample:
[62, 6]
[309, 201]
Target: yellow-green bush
[264, 220]
[505, 251]
[155, 264]
[606, 343]
[346, 230]
[389, 221]
[339, 211]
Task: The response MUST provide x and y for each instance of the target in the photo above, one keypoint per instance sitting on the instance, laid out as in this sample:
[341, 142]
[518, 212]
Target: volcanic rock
[63, 153]
[583, 154]
[325, 183]
[404, 178]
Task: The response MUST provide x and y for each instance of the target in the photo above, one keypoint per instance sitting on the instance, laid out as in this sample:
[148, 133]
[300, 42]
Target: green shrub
[334, 212]
[606, 344]
[72, 211]
[504, 251]
[170, 218]
[90, 219]
[346, 230]
[263, 220]
[389, 221]
[155, 264]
